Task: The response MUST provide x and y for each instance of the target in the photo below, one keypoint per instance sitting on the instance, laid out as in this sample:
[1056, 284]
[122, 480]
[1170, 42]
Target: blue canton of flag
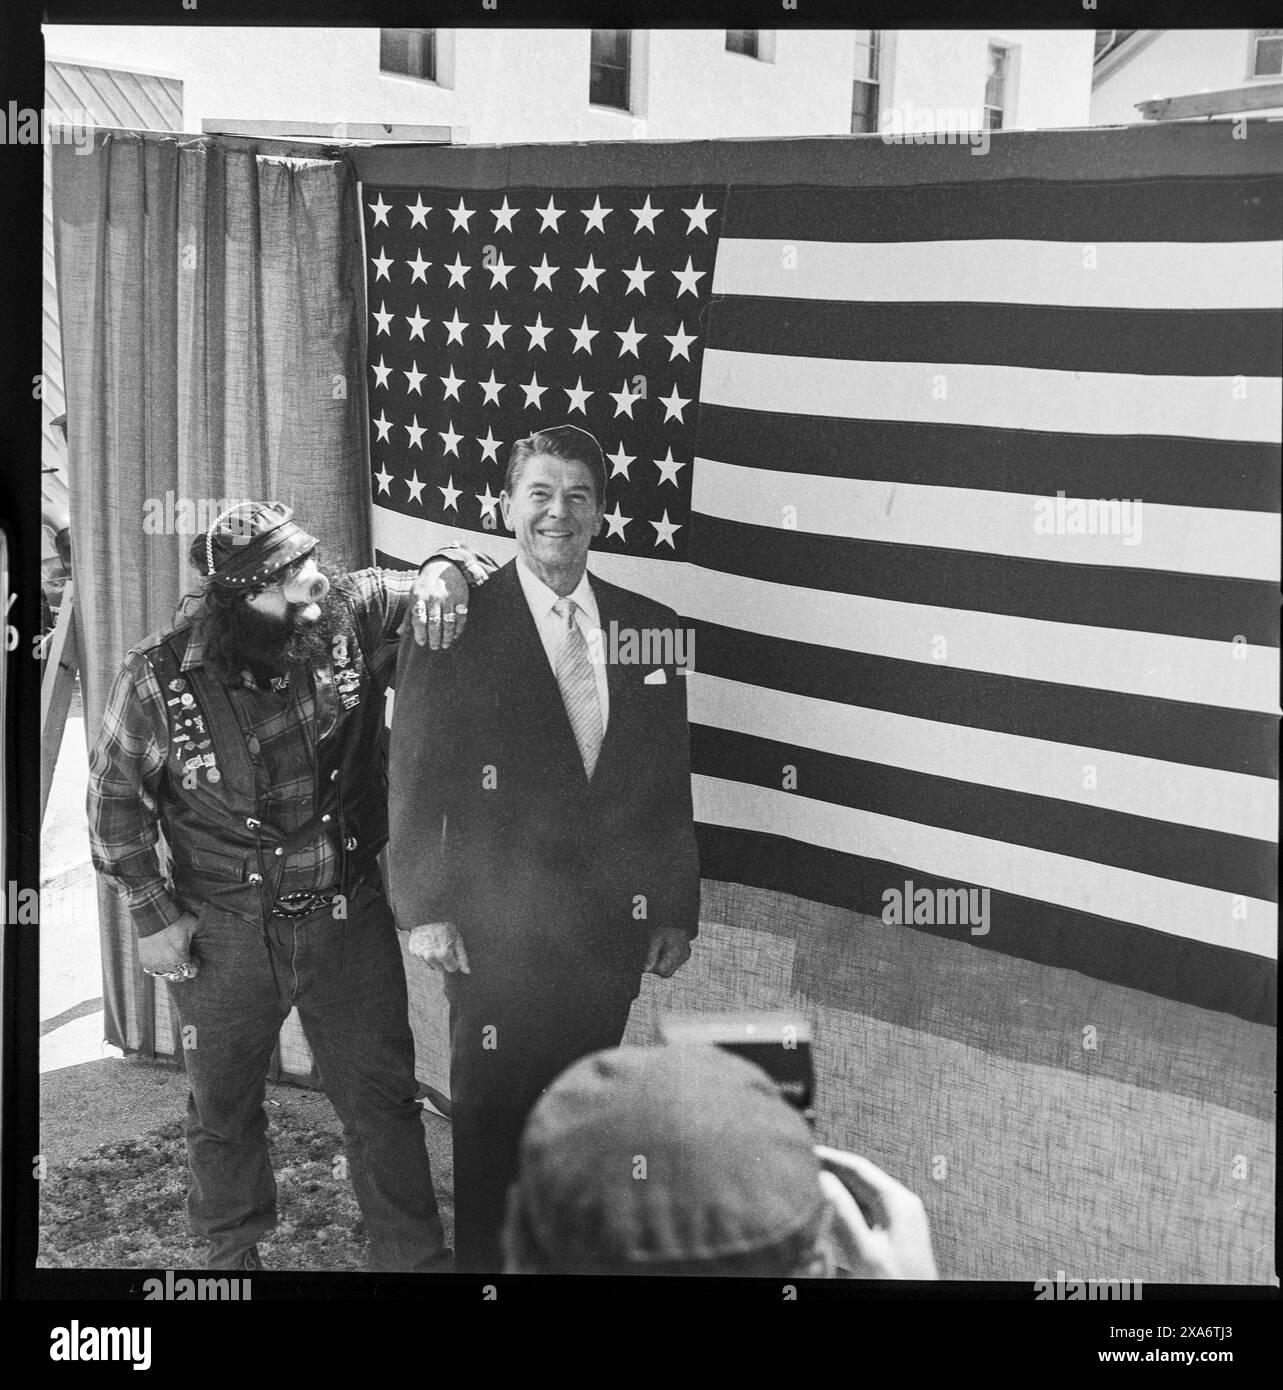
[495, 315]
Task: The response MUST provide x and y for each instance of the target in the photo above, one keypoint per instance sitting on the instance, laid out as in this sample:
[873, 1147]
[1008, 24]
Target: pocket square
[659, 677]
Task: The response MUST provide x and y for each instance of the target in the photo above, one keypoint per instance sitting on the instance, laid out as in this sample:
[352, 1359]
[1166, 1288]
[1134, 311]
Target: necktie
[578, 685]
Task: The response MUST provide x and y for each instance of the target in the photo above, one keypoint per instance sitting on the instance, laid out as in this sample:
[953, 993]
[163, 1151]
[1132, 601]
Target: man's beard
[252, 639]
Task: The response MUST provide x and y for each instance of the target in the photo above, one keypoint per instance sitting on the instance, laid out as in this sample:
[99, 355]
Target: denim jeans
[348, 983]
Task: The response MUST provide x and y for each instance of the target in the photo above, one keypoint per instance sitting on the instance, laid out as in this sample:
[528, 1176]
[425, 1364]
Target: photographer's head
[667, 1160]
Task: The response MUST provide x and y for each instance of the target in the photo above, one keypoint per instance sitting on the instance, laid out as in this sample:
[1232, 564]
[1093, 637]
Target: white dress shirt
[551, 626]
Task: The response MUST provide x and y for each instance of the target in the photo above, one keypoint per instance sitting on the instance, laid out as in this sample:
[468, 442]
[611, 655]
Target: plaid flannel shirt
[128, 759]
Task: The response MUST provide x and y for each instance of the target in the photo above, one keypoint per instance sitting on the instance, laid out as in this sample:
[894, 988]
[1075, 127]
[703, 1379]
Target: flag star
[496, 328]
[452, 384]
[687, 278]
[637, 278]
[596, 216]
[537, 330]
[624, 400]
[458, 270]
[646, 214]
[417, 323]
[382, 261]
[384, 318]
[664, 531]
[534, 392]
[415, 486]
[499, 272]
[578, 397]
[680, 340]
[418, 213]
[668, 467]
[454, 327]
[382, 371]
[451, 495]
[544, 273]
[503, 215]
[412, 379]
[584, 336]
[674, 405]
[385, 479]
[488, 501]
[491, 388]
[699, 213]
[419, 267]
[629, 338]
[383, 425]
[380, 211]
[550, 214]
[460, 215]
[450, 439]
[416, 432]
[489, 449]
[616, 521]
[620, 461]
[588, 272]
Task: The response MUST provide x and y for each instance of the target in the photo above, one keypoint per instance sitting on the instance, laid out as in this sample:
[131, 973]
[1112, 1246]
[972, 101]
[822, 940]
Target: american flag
[856, 412]
[492, 317]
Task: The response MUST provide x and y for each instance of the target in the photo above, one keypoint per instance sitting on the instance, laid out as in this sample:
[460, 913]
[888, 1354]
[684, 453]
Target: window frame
[1254, 40]
[1006, 75]
[630, 48]
[875, 48]
[435, 47]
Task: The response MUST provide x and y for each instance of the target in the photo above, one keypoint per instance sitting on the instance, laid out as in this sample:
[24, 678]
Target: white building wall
[503, 86]
[944, 70]
[1179, 62]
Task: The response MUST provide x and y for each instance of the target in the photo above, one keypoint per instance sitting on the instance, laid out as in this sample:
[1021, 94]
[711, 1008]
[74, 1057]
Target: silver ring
[447, 617]
[461, 609]
[421, 609]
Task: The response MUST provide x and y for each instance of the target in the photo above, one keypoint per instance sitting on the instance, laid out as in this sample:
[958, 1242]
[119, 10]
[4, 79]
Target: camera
[779, 1043]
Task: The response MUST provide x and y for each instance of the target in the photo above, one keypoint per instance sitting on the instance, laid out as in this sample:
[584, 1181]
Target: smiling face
[554, 512]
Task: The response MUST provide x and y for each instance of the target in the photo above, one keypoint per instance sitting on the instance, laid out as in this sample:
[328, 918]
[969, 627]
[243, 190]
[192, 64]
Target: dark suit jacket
[494, 825]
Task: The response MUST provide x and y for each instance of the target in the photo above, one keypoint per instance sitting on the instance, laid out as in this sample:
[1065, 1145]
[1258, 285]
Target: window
[868, 83]
[996, 88]
[608, 71]
[409, 52]
[1267, 53]
[742, 41]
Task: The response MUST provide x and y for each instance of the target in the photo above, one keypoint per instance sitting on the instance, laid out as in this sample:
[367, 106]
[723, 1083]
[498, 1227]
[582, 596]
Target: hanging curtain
[211, 309]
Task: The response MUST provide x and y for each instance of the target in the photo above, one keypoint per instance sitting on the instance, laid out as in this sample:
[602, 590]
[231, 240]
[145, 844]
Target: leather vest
[224, 847]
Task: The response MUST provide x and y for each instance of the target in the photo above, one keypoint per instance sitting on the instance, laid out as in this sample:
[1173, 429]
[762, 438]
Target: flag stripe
[1210, 609]
[1167, 907]
[1138, 663]
[1151, 343]
[1159, 850]
[1229, 803]
[1176, 472]
[1095, 944]
[1167, 731]
[1197, 213]
[963, 393]
[1170, 732]
[1192, 540]
[1045, 275]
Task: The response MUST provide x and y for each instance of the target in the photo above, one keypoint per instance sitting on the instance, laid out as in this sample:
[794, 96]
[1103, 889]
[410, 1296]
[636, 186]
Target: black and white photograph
[655, 654]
